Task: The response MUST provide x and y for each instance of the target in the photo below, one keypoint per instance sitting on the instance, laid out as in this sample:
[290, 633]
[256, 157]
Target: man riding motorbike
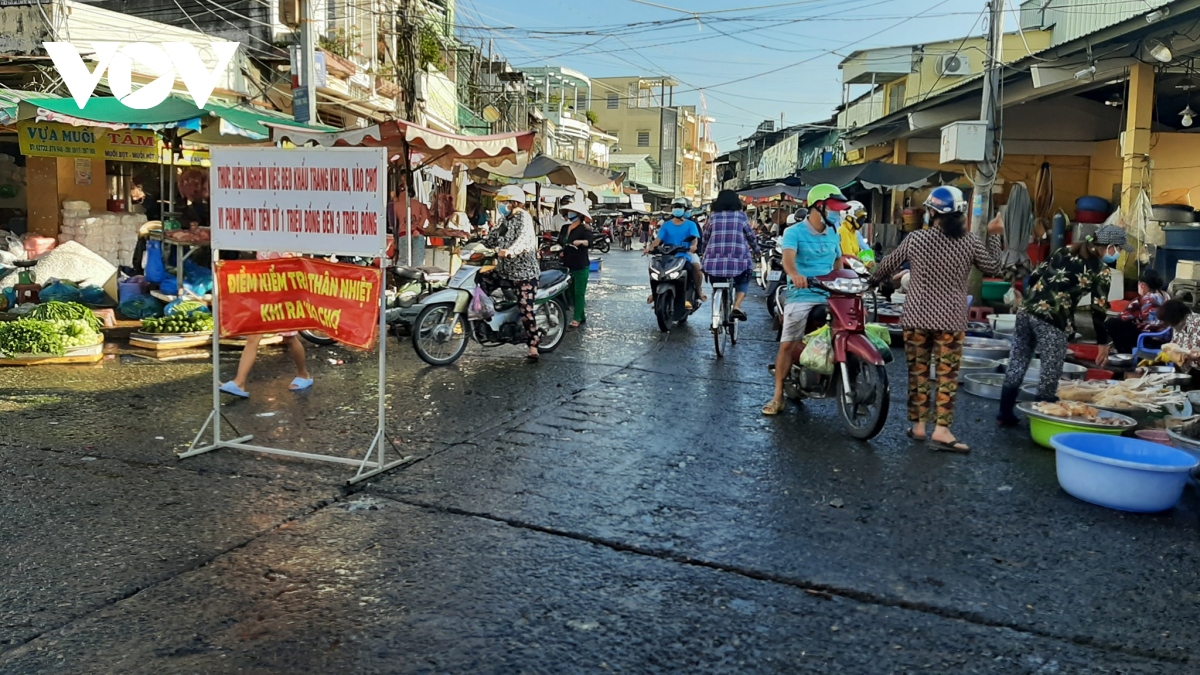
[675, 232]
[811, 248]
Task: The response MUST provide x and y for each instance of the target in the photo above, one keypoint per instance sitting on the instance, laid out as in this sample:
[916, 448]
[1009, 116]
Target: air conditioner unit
[952, 64]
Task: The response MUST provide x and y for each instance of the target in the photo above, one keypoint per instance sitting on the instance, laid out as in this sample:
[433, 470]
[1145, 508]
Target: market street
[621, 505]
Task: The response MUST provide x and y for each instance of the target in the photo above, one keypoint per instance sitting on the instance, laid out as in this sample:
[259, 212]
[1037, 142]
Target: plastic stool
[980, 314]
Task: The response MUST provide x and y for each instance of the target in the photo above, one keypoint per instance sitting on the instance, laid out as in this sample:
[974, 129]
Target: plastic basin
[1121, 473]
[1043, 430]
[993, 291]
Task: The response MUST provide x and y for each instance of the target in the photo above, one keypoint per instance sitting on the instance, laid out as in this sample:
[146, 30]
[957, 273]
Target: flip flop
[956, 447]
[232, 389]
[920, 439]
[300, 384]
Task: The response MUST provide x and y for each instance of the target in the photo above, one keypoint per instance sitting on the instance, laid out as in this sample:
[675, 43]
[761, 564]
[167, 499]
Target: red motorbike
[859, 379]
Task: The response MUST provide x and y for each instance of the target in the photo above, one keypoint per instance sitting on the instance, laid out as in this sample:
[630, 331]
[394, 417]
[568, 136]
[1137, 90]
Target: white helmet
[512, 193]
[581, 209]
[853, 207]
[791, 219]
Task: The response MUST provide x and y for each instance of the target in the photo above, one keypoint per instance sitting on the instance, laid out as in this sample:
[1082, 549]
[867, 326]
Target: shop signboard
[53, 139]
[318, 201]
[291, 294]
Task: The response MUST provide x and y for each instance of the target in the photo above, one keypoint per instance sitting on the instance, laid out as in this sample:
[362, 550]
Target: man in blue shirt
[811, 248]
[675, 232]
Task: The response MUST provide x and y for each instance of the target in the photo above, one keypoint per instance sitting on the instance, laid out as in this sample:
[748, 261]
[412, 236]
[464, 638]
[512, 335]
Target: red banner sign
[291, 294]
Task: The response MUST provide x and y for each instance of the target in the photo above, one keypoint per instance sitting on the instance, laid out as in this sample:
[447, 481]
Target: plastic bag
[156, 271]
[818, 352]
[93, 296]
[60, 291]
[481, 306]
[881, 337]
[140, 307]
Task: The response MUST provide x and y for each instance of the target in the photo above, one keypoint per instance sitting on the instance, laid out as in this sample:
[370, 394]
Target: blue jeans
[741, 283]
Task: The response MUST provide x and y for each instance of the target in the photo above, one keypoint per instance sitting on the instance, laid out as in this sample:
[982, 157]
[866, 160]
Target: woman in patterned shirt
[516, 242]
[940, 259]
[728, 243]
[1047, 315]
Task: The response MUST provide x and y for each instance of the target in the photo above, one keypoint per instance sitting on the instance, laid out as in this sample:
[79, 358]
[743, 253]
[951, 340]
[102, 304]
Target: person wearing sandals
[728, 244]
[576, 240]
[515, 241]
[940, 259]
[295, 346]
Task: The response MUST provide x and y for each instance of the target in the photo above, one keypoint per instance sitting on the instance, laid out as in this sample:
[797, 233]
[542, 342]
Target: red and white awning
[440, 149]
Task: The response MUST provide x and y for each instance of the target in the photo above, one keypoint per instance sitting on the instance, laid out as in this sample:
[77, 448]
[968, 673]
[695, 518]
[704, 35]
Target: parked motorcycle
[672, 286]
[772, 278]
[859, 380]
[443, 329]
[603, 242]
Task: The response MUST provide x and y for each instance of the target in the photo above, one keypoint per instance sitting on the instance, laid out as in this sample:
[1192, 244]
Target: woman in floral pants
[940, 259]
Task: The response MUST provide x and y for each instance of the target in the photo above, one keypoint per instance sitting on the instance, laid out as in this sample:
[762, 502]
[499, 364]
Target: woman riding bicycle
[729, 246]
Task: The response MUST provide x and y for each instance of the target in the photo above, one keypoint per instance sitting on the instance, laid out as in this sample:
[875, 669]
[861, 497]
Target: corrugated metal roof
[1072, 19]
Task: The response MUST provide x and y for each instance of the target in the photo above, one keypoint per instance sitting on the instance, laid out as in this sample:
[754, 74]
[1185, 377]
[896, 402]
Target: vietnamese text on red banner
[291, 294]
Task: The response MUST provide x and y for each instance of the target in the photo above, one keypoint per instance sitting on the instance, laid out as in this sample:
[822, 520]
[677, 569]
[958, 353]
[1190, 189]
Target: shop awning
[775, 192]
[653, 188]
[872, 175]
[215, 123]
[441, 149]
[563, 172]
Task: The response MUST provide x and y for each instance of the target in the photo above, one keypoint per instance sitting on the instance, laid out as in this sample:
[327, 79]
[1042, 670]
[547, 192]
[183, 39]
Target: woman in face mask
[515, 241]
[576, 239]
[1046, 318]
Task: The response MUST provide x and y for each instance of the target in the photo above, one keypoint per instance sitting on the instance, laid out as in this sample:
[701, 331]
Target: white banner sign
[327, 201]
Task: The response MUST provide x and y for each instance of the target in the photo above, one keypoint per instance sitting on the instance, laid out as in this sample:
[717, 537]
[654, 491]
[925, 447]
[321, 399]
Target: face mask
[678, 213]
[572, 217]
[504, 210]
[1110, 258]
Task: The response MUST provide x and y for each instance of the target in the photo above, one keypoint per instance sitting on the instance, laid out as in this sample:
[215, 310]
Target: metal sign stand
[373, 463]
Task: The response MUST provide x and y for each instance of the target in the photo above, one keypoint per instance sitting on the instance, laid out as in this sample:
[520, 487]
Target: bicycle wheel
[734, 324]
[720, 328]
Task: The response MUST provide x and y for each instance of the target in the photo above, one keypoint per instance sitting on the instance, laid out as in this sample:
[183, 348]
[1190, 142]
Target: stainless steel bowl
[989, 385]
[985, 348]
[1123, 421]
[971, 366]
[1034, 374]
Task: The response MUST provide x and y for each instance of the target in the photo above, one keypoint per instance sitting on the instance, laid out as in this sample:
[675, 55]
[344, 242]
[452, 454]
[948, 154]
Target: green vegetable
[65, 311]
[197, 322]
[31, 336]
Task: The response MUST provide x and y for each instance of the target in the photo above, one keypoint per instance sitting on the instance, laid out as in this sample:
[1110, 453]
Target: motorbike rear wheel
[864, 409]
[317, 338]
[552, 321]
[603, 246]
[440, 335]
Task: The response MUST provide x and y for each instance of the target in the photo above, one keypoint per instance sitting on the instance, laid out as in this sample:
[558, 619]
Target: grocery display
[31, 336]
[197, 322]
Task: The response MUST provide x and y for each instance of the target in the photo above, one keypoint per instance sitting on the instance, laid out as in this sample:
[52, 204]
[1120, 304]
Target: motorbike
[443, 329]
[762, 264]
[771, 277]
[603, 242]
[672, 286]
[410, 286]
[859, 379]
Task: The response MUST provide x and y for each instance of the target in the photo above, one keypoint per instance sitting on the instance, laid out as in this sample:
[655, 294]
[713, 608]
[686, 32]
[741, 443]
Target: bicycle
[724, 326]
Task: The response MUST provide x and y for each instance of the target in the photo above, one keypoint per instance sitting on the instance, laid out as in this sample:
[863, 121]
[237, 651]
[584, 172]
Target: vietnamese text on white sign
[328, 201]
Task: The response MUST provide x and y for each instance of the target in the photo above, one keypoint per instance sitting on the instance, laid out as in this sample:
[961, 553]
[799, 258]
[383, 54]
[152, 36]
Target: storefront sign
[291, 294]
[52, 139]
[320, 201]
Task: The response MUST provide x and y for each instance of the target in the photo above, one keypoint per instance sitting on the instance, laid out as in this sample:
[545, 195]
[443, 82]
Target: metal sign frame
[376, 460]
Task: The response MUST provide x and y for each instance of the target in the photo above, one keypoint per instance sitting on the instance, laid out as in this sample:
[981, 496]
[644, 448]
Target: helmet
[827, 192]
[511, 193]
[854, 207]
[577, 208]
[791, 219]
[945, 199]
[681, 201]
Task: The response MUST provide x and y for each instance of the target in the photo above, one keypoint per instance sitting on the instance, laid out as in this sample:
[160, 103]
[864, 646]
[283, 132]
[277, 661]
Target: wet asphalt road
[620, 506]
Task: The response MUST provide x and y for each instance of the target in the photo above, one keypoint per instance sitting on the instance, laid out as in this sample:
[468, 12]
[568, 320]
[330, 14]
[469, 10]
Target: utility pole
[985, 171]
[308, 62]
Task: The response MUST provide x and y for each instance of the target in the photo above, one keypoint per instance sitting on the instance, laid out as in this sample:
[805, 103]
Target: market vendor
[1141, 316]
[1046, 318]
[1185, 332]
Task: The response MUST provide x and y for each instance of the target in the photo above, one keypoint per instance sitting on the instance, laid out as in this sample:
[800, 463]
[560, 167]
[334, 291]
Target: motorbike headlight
[654, 275]
[674, 274]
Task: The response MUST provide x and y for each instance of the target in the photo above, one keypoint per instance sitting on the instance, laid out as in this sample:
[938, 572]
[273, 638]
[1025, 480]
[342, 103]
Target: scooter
[771, 277]
[859, 379]
[603, 243]
[672, 286]
[444, 328]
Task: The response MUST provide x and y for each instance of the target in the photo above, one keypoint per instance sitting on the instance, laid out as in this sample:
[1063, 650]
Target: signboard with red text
[318, 201]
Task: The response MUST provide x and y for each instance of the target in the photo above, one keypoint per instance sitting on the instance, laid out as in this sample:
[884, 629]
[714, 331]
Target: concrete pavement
[621, 505]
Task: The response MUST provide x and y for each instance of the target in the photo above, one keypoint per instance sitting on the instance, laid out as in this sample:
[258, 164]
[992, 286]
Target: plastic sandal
[773, 408]
[233, 390]
[300, 384]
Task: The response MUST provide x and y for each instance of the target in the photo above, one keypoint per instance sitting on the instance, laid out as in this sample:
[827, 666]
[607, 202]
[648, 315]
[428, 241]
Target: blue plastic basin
[1121, 473]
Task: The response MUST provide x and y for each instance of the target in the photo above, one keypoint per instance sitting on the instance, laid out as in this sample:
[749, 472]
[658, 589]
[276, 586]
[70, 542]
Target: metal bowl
[1120, 360]
[971, 366]
[1070, 371]
[1124, 421]
[989, 385]
[985, 348]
